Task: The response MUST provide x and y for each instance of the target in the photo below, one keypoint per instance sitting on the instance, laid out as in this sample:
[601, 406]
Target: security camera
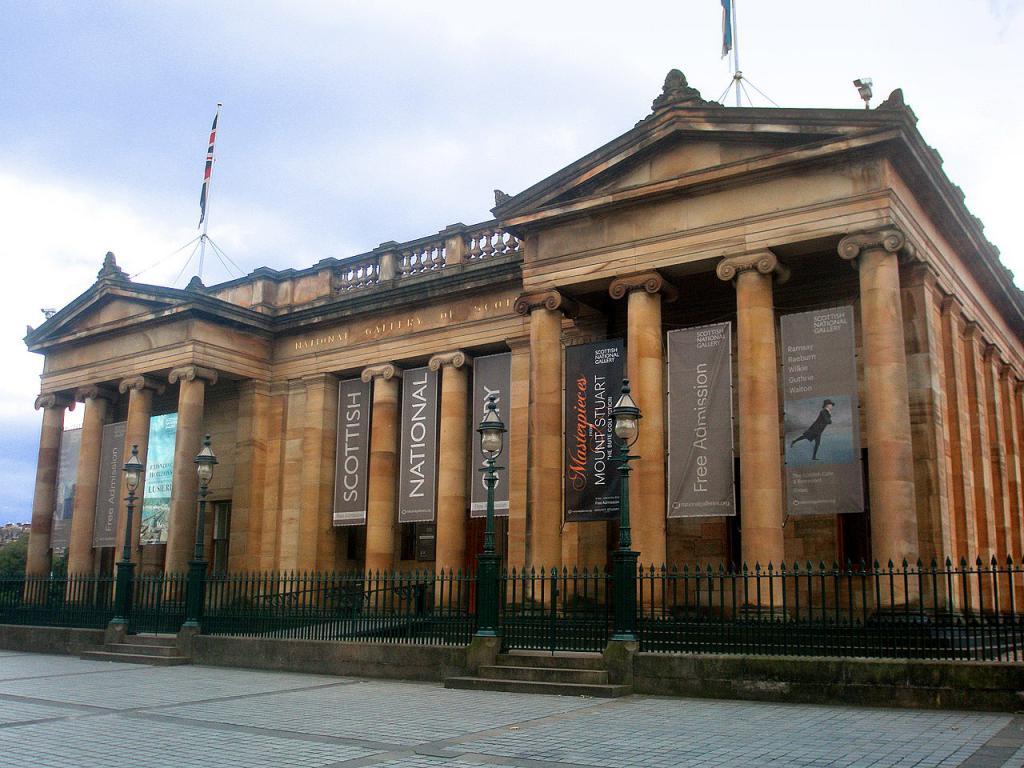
[863, 85]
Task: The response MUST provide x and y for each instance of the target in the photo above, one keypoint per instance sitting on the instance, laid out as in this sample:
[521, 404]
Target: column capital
[94, 392]
[456, 359]
[55, 400]
[140, 382]
[385, 371]
[951, 305]
[991, 352]
[551, 300]
[888, 239]
[650, 281]
[191, 373]
[763, 261]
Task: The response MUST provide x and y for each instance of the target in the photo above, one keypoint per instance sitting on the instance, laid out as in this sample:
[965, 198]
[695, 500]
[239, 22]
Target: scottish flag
[726, 27]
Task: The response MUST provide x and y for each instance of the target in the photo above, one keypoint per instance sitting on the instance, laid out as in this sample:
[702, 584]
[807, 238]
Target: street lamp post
[133, 471]
[492, 442]
[205, 461]
[626, 424]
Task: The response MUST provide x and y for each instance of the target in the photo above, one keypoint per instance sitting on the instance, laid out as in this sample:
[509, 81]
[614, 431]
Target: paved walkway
[61, 711]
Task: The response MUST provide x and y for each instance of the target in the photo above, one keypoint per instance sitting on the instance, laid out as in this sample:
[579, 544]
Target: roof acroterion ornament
[676, 92]
[110, 270]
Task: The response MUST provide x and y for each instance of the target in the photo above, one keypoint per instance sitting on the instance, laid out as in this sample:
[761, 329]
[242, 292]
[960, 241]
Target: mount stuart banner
[700, 446]
[823, 466]
[593, 381]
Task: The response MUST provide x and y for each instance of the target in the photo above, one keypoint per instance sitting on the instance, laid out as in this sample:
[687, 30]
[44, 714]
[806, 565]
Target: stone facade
[698, 214]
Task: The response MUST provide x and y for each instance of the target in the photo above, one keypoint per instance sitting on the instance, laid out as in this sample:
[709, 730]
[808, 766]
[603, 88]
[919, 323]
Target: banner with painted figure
[156, 502]
[353, 457]
[110, 486]
[593, 382]
[701, 480]
[492, 375]
[823, 465]
[417, 462]
[67, 478]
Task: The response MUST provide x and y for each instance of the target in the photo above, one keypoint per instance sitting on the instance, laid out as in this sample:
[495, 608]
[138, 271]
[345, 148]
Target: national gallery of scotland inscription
[792, 408]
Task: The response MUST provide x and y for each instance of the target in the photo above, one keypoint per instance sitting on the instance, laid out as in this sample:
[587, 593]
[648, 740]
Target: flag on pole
[208, 171]
[726, 27]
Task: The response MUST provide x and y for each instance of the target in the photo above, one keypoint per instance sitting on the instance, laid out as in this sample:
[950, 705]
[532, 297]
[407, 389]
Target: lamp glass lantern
[492, 431]
[626, 417]
[133, 469]
[205, 461]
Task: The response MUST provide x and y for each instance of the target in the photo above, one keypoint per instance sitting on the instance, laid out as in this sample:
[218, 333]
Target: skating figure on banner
[813, 433]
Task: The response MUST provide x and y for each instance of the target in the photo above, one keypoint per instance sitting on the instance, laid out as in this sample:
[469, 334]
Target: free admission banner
[492, 375]
[593, 381]
[350, 475]
[109, 488]
[67, 477]
[700, 445]
[823, 467]
[417, 463]
[156, 502]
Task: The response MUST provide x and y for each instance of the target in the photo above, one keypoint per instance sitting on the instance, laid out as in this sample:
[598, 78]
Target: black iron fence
[949, 611]
[418, 607]
[552, 609]
[66, 601]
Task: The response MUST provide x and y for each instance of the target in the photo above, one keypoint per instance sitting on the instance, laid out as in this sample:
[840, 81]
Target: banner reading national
[353, 456]
[593, 380]
[417, 463]
[823, 464]
[492, 375]
[701, 479]
[156, 500]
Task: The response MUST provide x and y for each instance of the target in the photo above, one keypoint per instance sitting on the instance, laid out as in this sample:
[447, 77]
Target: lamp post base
[194, 593]
[624, 583]
[487, 594]
[123, 593]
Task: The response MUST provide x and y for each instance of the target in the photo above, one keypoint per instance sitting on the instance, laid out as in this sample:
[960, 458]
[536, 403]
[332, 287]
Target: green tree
[12, 557]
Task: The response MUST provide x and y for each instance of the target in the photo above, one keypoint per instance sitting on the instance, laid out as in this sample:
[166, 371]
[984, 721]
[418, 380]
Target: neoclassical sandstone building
[341, 399]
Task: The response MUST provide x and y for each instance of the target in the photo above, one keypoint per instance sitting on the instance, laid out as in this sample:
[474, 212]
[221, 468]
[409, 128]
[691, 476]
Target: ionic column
[140, 391]
[758, 379]
[80, 556]
[181, 523]
[1000, 480]
[886, 399]
[1012, 461]
[381, 495]
[984, 483]
[544, 478]
[453, 458]
[645, 364]
[518, 457]
[47, 465]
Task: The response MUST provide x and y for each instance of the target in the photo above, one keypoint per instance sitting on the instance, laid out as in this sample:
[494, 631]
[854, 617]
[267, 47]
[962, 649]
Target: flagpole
[206, 215]
[737, 75]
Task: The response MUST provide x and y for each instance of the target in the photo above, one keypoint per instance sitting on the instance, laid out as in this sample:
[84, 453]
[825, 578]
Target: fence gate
[554, 610]
[158, 603]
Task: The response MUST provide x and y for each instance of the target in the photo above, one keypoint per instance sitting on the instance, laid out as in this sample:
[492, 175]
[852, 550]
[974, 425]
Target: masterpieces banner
[67, 477]
[823, 467]
[109, 488]
[700, 445]
[417, 463]
[492, 375]
[593, 381]
[350, 474]
[156, 502]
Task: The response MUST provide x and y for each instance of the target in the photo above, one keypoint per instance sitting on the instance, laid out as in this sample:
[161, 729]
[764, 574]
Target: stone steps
[529, 686]
[548, 660]
[545, 674]
[156, 650]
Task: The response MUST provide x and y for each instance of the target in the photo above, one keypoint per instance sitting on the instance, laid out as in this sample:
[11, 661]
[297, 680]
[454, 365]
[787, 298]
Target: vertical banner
[492, 375]
[109, 488]
[593, 380]
[353, 457]
[67, 477]
[823, 467]
[417, 463]
[156, 502]
[701, 482]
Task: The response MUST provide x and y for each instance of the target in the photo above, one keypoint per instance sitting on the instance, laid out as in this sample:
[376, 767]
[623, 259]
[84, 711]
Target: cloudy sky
[346, 124]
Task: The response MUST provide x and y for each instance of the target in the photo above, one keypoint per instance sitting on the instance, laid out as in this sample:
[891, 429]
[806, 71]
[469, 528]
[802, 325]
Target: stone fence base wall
[405, 662]
[994, 686]
[58, 640]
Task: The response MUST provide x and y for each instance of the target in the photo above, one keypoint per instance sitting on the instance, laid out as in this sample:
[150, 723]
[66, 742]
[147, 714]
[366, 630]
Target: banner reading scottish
[417, 463]
[593, 380]
[110, 488]
[823, 465]
[492, 375]
[67, 478]
[156, 501]
[700, 436]
[353, 457]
